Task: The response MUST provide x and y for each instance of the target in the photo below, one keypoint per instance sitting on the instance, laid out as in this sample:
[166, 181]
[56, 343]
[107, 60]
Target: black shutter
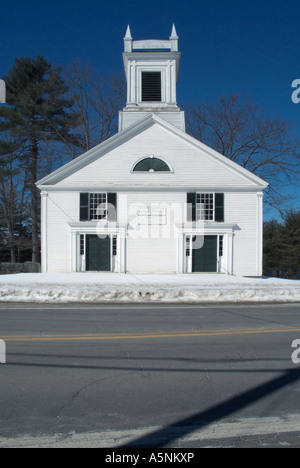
[219, 207]
[191, 208]
[84, 207]
[112, 200]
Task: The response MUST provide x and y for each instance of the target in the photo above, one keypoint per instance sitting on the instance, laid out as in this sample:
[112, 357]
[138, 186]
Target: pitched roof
[130, 132]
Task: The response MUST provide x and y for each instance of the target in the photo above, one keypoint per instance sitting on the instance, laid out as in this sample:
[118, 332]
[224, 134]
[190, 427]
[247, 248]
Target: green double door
[205, 260]
[98, 256]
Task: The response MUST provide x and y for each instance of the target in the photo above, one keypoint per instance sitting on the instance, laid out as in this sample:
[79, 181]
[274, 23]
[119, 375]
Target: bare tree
[240, 130]
[97, 100]
[14, 203]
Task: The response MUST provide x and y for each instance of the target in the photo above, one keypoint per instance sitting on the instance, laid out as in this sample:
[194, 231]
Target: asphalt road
[153, 376]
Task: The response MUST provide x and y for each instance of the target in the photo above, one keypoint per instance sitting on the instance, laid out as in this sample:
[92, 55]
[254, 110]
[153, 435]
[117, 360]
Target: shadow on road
[165, 436]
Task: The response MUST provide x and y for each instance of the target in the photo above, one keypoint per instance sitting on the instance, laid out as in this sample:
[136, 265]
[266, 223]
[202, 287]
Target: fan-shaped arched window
[151, 165]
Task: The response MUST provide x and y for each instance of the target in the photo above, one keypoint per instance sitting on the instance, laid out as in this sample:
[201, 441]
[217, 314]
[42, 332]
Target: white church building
[152, 199]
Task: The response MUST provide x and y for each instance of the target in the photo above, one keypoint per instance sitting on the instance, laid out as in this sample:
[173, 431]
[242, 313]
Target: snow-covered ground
[121, 288]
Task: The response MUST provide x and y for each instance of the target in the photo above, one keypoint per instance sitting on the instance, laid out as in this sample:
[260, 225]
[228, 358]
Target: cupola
[151, 69]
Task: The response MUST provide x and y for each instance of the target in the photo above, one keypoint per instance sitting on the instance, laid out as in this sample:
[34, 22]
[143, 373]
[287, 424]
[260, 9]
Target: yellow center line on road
[135, 336]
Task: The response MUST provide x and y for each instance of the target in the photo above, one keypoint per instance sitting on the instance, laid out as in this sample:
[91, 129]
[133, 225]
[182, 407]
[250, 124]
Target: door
[205, 260]
[97, 253]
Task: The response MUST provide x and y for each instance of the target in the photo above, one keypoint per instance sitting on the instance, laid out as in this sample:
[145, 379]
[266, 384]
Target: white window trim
[213, 207]
[171, 170]
[152, 68]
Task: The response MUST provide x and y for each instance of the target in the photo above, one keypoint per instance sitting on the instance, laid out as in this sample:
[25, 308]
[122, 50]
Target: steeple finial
[174, 39]
[128, 41]
[128, 33]
[174, 33]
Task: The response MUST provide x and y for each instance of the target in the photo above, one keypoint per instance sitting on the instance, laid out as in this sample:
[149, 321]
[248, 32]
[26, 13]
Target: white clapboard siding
[152, 256]
[128, 118]
[62, 209]
[242, 209]
[152, 245]
[189, 164]
[130, 202]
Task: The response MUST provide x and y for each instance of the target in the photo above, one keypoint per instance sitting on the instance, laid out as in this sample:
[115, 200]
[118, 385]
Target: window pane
[221, 241]
[114, 246]
[151, 164]
[82, 244]
[205, 206]
[98, 206]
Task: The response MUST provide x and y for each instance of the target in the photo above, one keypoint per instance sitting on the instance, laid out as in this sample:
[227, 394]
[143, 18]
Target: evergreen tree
[272, 247]
[282, 246]
[37, 112]
[291, 243]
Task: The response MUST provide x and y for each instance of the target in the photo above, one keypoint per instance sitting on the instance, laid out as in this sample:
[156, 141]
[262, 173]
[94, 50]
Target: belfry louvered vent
[151, 86]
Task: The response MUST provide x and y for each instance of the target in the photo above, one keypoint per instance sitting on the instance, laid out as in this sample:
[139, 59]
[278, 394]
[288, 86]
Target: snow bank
[121, 288]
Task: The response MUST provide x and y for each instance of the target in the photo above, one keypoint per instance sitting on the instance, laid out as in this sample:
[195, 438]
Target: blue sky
[228, 46]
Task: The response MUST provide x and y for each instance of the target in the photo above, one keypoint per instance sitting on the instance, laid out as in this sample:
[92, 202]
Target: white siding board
[62, 208]
[153, 256]
[126, 119]
[241, 209]
[190, 164]
[153, 248]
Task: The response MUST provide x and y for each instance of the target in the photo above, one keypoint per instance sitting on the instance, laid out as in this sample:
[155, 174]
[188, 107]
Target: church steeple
[151, 69]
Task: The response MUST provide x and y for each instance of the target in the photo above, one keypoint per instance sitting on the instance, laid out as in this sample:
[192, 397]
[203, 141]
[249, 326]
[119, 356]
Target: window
[188, 246]
[221, 245]
[151, 86]
[205, 206]
[114, 246]
[82, 244]
[98, 206]
[151, 165]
